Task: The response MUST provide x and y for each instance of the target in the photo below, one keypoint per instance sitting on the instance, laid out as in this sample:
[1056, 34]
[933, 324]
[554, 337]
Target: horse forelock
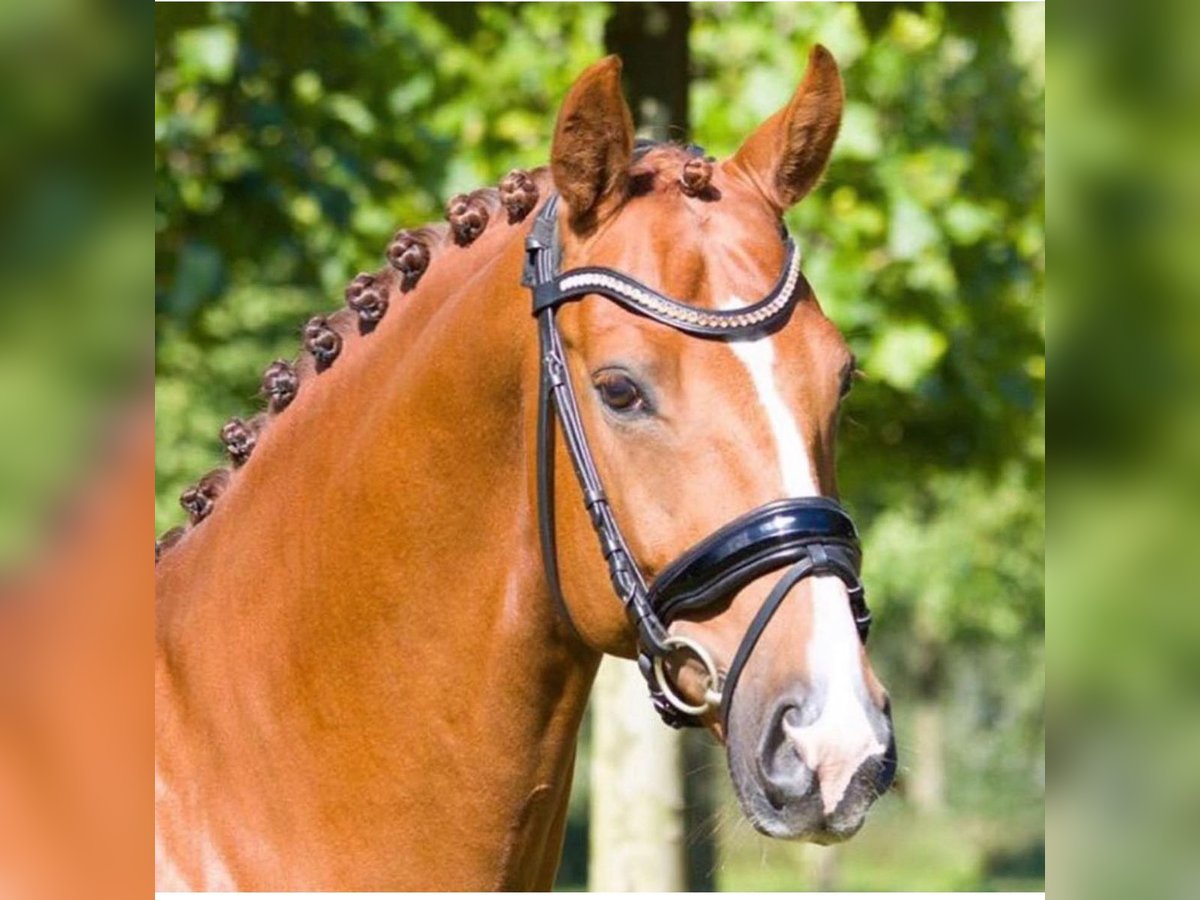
[670, 167]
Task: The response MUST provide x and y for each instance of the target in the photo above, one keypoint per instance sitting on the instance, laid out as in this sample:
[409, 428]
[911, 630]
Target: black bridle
[812, 535]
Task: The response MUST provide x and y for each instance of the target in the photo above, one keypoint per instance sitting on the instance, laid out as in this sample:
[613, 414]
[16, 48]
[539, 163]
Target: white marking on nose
[795, 468]
[841, 739]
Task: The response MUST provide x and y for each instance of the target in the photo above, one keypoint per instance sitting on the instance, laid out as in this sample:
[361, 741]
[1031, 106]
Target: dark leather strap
[758, 625]
[640, 298]
[762, 540]
[624, 573]
[545, 487]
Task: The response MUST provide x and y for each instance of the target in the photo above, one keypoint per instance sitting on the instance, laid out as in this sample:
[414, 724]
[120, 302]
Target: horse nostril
[776, 796]
[782, 773]
[794, 717]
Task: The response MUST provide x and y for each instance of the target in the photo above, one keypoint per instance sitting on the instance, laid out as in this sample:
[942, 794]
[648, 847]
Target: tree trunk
[637, 794]
[652, 41]
[927, 788]
[637, 802]
[703, 764]
[823, 868]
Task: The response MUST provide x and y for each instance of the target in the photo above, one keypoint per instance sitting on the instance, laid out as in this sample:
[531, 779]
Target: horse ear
[787, 154]
[593, 140]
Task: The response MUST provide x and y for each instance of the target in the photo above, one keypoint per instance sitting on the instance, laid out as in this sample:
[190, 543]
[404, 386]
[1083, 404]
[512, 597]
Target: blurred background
[76, 452]
[1124, 811]
[291, 141]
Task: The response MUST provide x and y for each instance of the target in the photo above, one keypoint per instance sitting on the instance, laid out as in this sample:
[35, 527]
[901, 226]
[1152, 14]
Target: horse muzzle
[806, 536]
[807, 772]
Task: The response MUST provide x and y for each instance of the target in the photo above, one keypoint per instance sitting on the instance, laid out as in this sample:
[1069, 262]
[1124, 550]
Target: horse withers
[377, 641]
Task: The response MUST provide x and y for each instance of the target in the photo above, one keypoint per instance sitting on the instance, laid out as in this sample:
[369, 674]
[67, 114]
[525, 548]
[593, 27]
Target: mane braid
[670, 166]
[370, 295]
[368, 298]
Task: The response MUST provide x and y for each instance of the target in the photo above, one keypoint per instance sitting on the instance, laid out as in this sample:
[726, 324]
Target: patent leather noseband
[806, 535]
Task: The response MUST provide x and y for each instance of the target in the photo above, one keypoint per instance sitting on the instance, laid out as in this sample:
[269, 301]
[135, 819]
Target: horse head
[690, 431]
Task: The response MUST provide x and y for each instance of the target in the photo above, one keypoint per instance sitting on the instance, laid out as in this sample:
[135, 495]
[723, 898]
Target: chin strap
[818, 562]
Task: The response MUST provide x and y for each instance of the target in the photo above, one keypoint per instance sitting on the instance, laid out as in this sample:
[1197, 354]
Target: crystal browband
[639, 298]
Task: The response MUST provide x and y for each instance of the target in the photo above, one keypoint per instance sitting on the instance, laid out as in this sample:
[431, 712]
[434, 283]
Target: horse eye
[619, 392]
[848, 375]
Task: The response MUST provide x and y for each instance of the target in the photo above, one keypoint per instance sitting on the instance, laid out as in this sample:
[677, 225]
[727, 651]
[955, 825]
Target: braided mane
[369, 296]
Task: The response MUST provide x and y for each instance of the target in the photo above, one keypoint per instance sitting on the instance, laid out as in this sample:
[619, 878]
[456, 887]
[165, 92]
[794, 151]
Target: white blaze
[841, 738]
[799, 479]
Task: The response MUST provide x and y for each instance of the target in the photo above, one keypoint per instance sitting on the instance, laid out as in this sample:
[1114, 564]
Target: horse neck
[371, 583]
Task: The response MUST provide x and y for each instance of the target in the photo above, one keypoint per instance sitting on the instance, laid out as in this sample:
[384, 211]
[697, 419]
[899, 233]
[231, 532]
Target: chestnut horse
[364, 678]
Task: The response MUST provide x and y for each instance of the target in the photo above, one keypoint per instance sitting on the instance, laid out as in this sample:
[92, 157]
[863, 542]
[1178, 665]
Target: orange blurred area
[76, 631]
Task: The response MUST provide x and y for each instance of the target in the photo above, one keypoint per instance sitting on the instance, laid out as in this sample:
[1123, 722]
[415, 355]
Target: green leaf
[932, 174]
[307, 86]
[967, 222]
[207, 53]
[351, 111]
[911, 229]
[912, 31]
[903, 354]
[859, 137]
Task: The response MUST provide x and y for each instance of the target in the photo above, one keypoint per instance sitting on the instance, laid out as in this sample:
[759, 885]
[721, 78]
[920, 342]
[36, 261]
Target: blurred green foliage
[1126, 333]
[72, 257]
[292, 140]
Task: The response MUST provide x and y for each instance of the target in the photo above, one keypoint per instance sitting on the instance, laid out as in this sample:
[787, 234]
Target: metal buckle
[712, 696]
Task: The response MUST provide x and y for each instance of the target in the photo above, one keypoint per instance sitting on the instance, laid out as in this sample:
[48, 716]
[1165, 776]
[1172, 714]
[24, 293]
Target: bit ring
[712, 696]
